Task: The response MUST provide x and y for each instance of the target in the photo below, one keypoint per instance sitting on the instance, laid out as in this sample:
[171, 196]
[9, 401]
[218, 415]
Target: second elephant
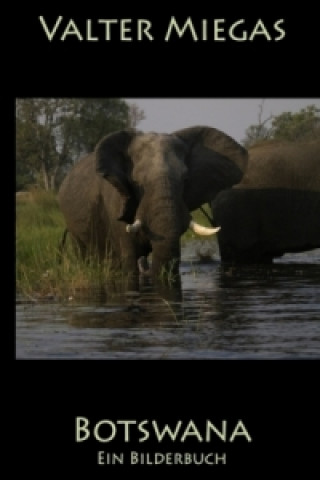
[275, 209]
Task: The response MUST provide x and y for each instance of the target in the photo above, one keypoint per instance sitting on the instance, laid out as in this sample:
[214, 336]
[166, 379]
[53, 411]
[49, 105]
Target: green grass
[39, 229]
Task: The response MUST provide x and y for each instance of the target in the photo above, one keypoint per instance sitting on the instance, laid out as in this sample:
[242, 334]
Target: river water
[247, 312]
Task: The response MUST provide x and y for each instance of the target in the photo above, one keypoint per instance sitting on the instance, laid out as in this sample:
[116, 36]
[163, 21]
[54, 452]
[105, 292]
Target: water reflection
[149, 309]
[216, 312]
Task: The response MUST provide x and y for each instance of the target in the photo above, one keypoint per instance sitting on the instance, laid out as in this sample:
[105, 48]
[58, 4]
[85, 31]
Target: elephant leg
[124, 262]
[79, 247]
[145, 273]
[143, 265]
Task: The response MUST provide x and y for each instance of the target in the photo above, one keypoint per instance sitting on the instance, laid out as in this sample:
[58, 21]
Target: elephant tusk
[200, 230]
[134, 227]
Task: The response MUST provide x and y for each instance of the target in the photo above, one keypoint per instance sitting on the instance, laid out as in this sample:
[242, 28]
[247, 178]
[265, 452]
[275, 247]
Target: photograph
[167, 228]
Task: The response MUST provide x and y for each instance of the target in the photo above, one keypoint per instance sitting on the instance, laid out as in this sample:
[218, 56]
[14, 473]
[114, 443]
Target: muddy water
[218, 313]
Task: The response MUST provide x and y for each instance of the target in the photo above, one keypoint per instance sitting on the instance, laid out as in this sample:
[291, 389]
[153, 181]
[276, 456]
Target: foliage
[302, 125]
[52, 133]
[39, 230]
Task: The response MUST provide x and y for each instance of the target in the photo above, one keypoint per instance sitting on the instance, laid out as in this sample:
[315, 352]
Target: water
[265, 312]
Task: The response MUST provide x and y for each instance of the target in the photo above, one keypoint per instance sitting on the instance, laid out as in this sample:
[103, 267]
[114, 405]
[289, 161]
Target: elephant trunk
[167, 221]
[164, 235]
[163, 220]
[166, 259]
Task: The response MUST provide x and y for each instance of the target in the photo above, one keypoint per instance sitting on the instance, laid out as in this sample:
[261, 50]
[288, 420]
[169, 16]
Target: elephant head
[161, 178]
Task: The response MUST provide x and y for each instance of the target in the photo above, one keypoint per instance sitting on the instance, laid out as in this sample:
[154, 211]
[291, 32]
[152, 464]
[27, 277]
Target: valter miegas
[130, 30]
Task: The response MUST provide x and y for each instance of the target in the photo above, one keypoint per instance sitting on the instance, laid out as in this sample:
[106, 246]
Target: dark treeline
[52, 133]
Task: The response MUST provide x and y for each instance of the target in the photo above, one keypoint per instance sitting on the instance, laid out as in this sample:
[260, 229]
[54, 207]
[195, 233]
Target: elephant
[275, 208]
[133, 195]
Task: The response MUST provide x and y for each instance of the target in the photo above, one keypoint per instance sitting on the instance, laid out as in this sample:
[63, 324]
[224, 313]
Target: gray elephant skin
[133, 195]
[275, 209]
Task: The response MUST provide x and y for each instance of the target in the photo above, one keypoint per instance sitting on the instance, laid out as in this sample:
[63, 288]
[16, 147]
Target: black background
[277, 400]
[166, 69]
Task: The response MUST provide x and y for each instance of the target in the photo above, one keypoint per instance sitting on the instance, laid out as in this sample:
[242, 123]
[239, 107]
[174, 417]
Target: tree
[24, 173]
[51, 134]
[258, 132]
[36, 153]
[38, 126]
[95, 118]
[302, 125]
[136, 115]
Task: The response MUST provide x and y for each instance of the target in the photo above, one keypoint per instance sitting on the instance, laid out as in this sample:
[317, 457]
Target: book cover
[170, 414]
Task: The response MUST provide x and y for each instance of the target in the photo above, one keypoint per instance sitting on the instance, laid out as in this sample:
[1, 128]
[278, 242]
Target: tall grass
[39, 229]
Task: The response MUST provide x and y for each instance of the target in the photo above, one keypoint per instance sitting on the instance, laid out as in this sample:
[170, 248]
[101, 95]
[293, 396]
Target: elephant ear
[215, 162]
[114, 164]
